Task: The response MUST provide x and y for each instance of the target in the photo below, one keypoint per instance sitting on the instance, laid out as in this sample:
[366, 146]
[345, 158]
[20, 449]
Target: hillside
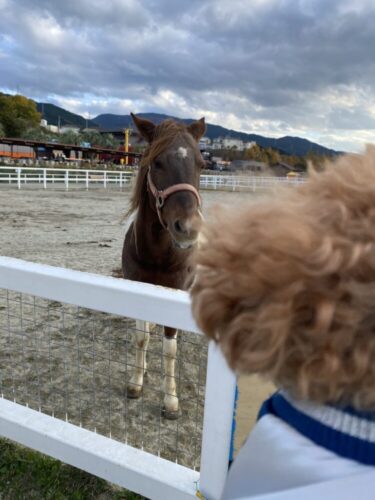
[51, 113]
[289, 145]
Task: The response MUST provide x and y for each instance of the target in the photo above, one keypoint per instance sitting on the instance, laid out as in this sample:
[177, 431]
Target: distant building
[231, 143]
[249, 144]
[217, 143]
[204, 143]
[282, 169]
[249, 166]
[50, 128]
[69, 128]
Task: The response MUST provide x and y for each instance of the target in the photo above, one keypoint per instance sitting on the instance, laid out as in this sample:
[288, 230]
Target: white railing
[108, 178]
[67, 177]
[129, 467]
[245, 183]
[132, 468]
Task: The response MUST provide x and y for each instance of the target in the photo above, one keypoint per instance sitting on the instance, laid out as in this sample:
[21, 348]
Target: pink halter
[162, 195]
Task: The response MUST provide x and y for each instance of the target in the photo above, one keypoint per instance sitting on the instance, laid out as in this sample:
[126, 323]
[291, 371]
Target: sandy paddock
[74, 363]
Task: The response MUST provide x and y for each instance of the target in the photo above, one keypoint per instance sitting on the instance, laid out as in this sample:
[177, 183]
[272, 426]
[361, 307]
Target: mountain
[288, 145]
[113, 122]
[53, 113]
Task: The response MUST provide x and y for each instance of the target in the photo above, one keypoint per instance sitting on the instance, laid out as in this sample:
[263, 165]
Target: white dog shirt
[298, 443]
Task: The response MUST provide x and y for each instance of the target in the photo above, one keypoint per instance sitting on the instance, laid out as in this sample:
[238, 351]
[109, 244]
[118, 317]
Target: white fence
[245, 183]
[45, 177]
[115, 461]
[67, 177]
[127, 466]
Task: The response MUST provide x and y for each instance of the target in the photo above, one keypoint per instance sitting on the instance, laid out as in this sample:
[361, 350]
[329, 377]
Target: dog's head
[286, 286]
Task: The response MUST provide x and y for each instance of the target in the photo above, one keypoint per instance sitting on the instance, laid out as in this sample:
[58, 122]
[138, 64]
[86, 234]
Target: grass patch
[28, 474]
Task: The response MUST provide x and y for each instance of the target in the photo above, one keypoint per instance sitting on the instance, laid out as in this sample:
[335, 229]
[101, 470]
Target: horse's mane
[164, 135]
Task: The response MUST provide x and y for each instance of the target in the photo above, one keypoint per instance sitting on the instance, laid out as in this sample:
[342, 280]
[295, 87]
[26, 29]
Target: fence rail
[50, 177]
[118, 462]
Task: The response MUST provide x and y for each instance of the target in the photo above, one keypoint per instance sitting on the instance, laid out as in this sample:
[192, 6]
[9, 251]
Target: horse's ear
[144, 127]
[197, 129]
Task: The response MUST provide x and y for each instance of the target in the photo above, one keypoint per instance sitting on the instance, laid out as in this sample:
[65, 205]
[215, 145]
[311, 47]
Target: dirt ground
[84, 230]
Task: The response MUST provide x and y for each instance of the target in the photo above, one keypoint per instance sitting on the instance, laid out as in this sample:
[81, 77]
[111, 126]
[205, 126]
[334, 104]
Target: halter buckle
[160, 199]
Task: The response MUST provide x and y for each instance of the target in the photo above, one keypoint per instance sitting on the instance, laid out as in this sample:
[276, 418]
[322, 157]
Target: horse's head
[173, 163]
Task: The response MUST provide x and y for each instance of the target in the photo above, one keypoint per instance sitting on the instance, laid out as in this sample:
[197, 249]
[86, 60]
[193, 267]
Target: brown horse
[166, 217]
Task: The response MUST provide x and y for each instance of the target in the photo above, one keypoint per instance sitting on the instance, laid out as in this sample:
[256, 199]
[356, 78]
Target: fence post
[217, 424]
[44, 178]
[87, 179]
[67, 179]
[120, 180]
[105, 180]
[19, 178]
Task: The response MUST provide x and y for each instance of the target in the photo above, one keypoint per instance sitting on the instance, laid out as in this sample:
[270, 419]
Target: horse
[165, 219]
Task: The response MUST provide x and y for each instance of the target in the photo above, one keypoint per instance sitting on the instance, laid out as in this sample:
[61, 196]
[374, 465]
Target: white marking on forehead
[182, 152]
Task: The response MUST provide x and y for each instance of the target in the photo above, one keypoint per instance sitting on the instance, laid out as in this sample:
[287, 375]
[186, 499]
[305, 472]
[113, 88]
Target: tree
[2, 130]
[38, 134]
[91, 136]
[273, 156]
[108, 141]
[257, 153]
[17, 114]
[69, 137]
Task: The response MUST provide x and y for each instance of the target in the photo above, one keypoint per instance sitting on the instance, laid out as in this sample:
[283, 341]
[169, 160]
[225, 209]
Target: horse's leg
[142, 337]
[170, 408]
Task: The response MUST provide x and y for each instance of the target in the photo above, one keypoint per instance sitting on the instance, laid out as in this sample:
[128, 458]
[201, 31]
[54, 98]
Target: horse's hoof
[133, 392]
[170, 414]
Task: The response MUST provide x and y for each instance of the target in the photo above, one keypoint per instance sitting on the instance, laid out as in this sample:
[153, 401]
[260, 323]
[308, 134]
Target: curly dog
[286, 287]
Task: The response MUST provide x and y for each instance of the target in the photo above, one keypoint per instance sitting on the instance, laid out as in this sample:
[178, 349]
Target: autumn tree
[17, 114]
[256, 153]
[273, 157]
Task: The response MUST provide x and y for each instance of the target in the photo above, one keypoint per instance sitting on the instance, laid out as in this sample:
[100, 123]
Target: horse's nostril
[179, 228]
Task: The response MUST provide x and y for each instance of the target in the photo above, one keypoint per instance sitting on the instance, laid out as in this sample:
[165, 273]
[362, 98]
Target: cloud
[296, 67]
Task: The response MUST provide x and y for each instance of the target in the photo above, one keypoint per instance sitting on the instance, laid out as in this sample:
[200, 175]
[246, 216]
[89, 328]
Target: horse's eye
[158, 164]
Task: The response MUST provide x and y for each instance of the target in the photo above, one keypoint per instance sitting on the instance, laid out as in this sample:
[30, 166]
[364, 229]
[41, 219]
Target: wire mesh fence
[75, 364]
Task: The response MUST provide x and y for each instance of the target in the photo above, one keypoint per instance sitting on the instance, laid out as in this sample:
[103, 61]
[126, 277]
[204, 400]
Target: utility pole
[126, 144]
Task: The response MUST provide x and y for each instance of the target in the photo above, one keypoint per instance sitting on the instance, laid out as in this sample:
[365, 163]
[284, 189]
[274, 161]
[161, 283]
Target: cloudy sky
[271, 67]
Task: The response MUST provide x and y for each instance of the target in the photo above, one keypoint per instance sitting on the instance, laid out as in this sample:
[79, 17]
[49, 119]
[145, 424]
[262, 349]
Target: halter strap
[162, 195]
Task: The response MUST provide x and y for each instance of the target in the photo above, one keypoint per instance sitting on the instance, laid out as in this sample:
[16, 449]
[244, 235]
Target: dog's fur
[287, 286]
